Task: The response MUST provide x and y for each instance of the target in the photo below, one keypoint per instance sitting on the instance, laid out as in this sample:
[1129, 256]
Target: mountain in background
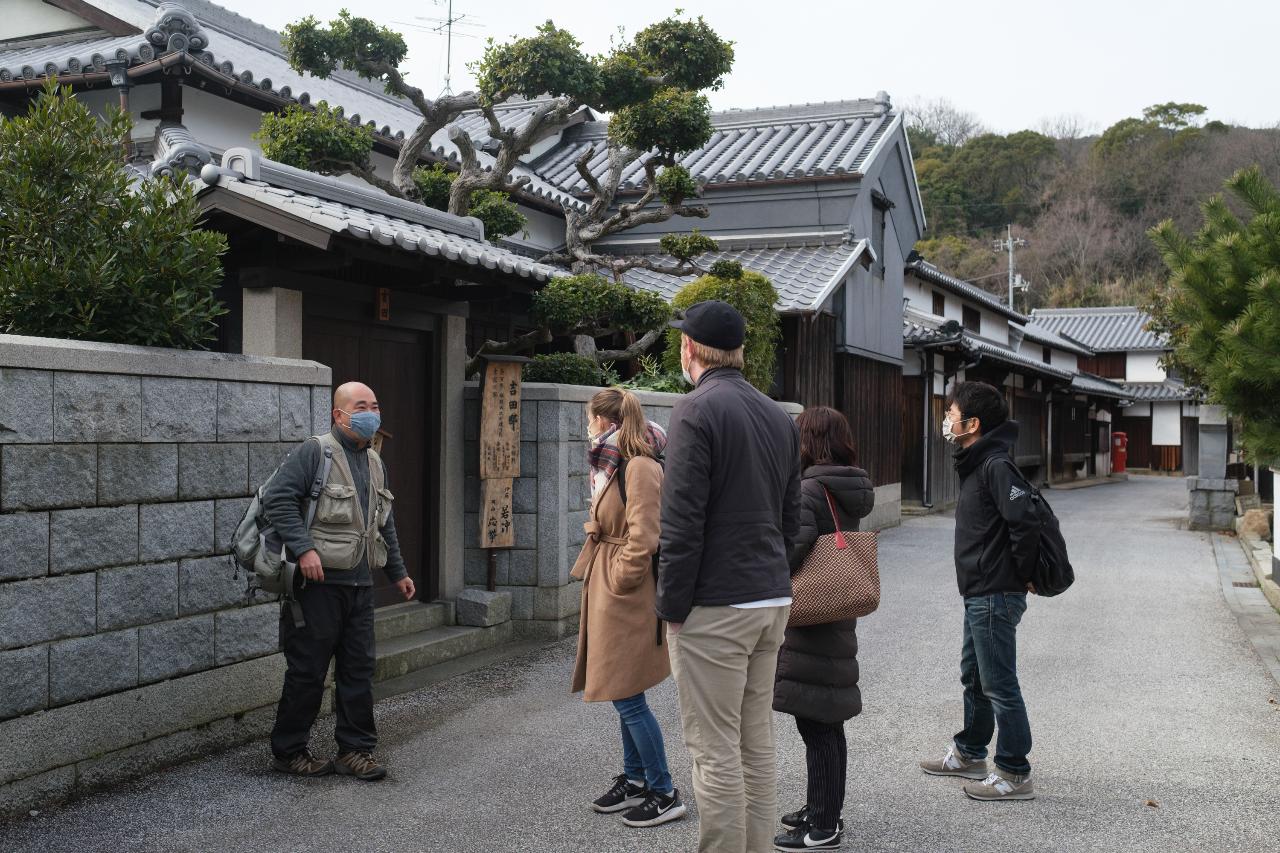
[1083, 202]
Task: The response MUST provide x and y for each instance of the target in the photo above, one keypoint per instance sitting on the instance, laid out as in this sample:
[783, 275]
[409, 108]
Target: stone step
[400, 656]
[409, 617]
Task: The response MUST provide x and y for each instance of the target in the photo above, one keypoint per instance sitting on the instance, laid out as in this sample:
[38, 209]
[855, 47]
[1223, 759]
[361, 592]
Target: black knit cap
[714, 324]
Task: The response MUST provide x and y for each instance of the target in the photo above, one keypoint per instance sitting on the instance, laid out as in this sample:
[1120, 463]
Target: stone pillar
[272, 323]
[1213, 442]
[1275, 540]
[450, 427]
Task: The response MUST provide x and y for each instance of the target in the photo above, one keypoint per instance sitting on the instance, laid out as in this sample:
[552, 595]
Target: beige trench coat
[618, 650]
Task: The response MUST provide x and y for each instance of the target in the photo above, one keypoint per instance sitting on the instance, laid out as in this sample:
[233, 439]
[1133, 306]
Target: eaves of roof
[1111, 329]
[1087, 383]
[1169, 391]
[963, 289]
[1041, 335]
[332, 207]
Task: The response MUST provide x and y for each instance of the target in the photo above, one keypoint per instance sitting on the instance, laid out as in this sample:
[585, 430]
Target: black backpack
[621, 476]
[1053, 573]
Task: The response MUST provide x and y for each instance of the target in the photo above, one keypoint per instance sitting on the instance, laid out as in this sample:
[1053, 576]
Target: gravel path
[1140, 684]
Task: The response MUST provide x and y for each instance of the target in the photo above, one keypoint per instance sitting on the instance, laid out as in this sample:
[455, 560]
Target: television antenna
[445, 26]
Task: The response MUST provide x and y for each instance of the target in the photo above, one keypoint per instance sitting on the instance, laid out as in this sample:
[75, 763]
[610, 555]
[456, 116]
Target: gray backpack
[257, 548]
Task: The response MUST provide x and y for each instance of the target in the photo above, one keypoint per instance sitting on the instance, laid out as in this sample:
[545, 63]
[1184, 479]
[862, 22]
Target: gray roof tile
[1160, 392]
[1087, 383]
[803, 275]
[1116, 329]
[962, 288]
[774, 143]
[1041, 335]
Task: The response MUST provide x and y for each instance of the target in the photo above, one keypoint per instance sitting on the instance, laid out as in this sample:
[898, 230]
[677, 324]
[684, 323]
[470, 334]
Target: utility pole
[1008, 244]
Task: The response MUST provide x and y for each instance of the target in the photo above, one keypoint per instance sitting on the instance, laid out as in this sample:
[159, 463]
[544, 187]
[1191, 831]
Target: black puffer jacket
[818, 665]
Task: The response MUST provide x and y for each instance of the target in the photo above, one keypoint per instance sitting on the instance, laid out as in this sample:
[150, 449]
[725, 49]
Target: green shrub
[567, 368]
[87, 256]
[500, 215]
[653, 377]
[754, 296]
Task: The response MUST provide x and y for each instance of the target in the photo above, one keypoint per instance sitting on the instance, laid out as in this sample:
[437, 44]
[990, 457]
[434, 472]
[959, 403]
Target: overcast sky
[1012, 64]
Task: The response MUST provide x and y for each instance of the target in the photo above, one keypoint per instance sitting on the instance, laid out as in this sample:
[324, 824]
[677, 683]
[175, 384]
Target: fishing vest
[340, 531]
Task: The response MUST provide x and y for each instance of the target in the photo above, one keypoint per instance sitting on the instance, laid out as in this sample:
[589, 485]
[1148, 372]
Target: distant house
[822, 199]
[1162, 421]
[958, 332]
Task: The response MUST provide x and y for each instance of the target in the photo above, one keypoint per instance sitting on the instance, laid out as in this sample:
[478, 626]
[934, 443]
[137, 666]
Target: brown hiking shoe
[360, 765]
[303, 763]
[955, 764]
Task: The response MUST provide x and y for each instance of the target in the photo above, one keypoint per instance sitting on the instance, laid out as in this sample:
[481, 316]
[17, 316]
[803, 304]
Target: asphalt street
[1152, 716]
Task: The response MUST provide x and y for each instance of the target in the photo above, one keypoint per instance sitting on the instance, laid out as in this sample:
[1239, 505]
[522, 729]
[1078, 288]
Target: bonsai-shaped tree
[754, 296]
[1221, 308]
[651, 85]
[90, 251]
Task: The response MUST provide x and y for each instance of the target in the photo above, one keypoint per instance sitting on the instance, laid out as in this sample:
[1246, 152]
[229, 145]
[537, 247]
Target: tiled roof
[963, 289]
[804, 275]
[1159, 392]
[917, 330]
[1102, 329]
[1087, 383]
[239, 51]
[365, 214]
[774, 143]
[1041, 335]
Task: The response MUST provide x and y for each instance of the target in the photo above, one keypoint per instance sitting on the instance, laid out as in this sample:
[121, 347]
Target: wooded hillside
[1084, 202]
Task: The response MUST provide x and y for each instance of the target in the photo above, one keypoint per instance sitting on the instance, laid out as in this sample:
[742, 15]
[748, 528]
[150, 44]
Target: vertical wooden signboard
[499, 454]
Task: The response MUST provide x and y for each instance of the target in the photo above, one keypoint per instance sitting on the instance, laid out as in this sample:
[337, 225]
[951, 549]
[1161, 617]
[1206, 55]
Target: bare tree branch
[524, 343]
[636, 350]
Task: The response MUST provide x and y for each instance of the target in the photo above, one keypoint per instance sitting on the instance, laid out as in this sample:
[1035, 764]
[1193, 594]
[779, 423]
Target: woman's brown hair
[825, 438]
[621, 407]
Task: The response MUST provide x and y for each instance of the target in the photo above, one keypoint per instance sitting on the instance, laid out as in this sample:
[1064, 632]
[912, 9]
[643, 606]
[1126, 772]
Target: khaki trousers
[724, 660]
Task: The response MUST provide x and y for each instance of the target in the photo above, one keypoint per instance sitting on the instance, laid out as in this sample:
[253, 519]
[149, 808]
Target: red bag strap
[835, 518]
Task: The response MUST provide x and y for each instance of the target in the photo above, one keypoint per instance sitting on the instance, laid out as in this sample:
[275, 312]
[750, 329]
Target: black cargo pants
[339, 625]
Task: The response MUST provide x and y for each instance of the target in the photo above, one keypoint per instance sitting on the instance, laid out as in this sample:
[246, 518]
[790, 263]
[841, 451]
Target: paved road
[1140, 683]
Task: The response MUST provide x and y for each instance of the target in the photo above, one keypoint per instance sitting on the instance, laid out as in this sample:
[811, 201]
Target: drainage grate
[1246, 584]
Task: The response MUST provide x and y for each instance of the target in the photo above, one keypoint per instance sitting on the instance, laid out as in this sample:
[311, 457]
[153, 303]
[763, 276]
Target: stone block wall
[551, 501]
[125, 636]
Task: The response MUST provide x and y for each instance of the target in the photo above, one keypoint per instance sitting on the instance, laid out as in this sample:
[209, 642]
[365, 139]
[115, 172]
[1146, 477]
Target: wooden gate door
[396, 363]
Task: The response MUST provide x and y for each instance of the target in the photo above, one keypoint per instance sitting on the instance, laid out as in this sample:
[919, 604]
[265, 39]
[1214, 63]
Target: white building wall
[1068, 360]
[919, 296]
[1166, 424]
[1137, 410]
[1143, 367]
[994, 327]
[26, 18]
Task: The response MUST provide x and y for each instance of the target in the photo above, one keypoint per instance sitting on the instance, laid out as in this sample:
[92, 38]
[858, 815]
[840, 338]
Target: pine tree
[1222, 307]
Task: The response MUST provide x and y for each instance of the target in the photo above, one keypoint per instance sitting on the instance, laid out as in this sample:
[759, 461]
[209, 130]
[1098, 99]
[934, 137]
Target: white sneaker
[955, 764]
[1002, 785]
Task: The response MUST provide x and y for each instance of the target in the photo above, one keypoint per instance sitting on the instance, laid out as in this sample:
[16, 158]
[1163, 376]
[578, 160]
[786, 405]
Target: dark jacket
[285, 505]
[730, 498]
[818, 665]
[997, 529]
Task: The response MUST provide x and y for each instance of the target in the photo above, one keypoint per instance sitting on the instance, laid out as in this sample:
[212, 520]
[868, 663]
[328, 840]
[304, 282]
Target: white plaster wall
[918, 295]
[218, 122]
[1143, 367]
[1068, 360]
[1138, 410]
[1166, 424]
[995, 327]
[25, 18]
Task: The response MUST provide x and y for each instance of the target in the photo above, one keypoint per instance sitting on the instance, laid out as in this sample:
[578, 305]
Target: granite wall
[126, 639]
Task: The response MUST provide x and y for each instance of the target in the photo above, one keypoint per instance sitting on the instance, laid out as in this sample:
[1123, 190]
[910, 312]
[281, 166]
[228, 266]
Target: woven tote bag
[838, 580]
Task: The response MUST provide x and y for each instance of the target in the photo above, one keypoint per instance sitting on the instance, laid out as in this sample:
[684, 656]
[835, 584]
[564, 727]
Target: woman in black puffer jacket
[817, 679]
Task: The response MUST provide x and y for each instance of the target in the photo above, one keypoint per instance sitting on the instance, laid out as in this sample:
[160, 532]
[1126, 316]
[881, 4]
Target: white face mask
[947, 425]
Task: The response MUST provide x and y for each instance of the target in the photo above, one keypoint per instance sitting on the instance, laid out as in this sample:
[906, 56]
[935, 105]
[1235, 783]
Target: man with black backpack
[997, 549]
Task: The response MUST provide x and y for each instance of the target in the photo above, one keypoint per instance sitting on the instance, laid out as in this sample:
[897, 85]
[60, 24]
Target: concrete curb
[1258, 619]
[1259, 555]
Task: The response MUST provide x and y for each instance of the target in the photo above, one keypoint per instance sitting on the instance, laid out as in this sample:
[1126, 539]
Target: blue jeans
[989, 673]
[643, 754]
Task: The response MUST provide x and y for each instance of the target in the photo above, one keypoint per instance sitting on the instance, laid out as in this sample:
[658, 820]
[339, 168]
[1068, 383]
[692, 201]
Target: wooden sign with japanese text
[500, 421]
[497, 526]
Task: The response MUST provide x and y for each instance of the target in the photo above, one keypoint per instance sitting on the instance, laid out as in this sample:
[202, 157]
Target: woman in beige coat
[622, 648]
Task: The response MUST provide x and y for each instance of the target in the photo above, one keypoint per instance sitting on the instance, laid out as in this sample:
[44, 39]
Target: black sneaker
[796, 819]
[807, 838]
[656, 809]
[622, 796]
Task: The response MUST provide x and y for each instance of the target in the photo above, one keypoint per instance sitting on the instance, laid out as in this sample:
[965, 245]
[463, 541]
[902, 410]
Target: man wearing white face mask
[337, 544]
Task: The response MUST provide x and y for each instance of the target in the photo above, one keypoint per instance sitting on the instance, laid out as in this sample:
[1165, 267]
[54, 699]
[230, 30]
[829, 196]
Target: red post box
[1119, 451]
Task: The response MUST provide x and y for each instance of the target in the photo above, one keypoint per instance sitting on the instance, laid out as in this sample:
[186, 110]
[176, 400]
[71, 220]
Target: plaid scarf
[604, 457]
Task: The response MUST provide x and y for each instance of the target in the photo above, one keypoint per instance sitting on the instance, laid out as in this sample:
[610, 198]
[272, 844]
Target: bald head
[350, 395]
[349, 399]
